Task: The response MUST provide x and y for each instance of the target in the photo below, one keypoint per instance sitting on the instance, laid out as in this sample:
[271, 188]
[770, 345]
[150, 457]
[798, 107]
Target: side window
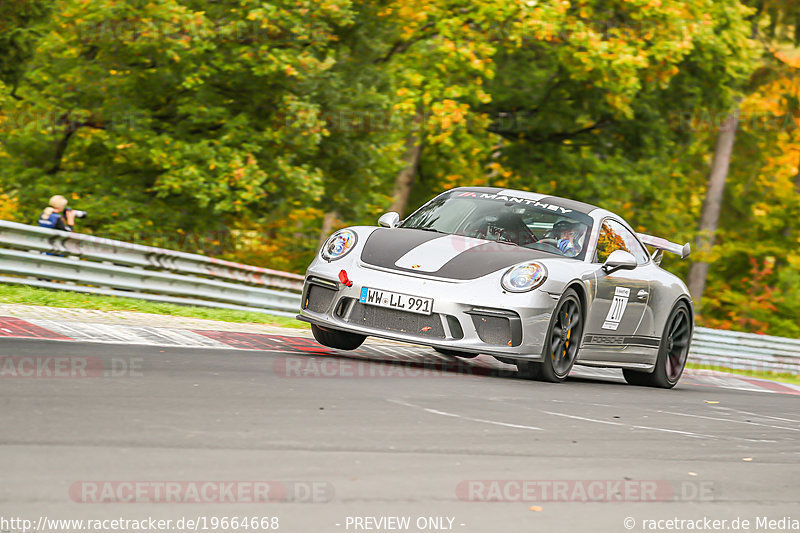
[609, 240]
[614, 236]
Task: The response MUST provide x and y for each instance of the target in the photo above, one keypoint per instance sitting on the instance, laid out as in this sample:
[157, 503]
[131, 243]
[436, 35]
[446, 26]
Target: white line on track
[584, 419]
[718, 383]
[685, 433]
[501, 399]
[679, 432]
[650, 428]
[732, 421]
[471, 419]
[759, 415]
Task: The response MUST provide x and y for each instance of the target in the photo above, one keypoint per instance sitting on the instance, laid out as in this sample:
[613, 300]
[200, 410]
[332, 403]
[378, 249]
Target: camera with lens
[78, 213]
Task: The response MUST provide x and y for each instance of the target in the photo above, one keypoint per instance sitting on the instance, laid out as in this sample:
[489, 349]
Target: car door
[621, 298]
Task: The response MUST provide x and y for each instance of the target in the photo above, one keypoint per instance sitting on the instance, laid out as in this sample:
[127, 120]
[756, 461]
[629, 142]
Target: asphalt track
[399, 443]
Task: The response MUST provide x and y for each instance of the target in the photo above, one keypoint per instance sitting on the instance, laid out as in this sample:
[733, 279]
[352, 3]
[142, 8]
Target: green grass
[774, 376]
[21, 294]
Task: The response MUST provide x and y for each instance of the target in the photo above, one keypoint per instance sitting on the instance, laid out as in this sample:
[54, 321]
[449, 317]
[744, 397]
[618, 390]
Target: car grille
[318, 298]
[394, 320]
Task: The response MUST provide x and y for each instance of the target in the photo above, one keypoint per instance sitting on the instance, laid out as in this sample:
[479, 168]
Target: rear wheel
[672, 352]
[561, 344]
[341, 340]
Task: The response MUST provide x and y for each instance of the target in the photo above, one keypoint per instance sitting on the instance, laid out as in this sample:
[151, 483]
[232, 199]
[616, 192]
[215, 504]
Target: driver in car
[568, 234]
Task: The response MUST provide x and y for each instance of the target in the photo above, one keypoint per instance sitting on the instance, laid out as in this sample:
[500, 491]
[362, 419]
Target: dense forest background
[249, 130]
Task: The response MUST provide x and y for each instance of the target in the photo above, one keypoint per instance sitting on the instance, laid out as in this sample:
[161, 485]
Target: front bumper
[474, 316]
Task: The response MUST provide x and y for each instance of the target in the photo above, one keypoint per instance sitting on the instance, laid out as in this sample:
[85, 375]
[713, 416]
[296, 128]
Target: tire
[341, 340]
[672, 352]
[454, 353]
[562, 342]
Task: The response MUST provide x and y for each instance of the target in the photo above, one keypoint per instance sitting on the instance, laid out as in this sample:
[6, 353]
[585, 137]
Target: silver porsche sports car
[533, 280]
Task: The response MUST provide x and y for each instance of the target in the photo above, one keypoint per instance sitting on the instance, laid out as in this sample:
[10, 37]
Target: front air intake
[319, 295]
[497, 326]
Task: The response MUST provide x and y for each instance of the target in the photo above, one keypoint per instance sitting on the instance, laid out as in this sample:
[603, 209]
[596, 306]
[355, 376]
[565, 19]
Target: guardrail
[49, 258]
[745, 351]
[85, 263]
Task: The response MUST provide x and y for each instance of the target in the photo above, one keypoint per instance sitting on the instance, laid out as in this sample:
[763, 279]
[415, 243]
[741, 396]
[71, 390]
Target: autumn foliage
[249, 129]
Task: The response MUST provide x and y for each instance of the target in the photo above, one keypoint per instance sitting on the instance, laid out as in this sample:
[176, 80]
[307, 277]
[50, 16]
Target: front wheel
[672, 352]
[341, 340]
[561, 344]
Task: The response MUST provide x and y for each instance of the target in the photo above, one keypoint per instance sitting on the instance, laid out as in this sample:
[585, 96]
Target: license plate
[395, 300]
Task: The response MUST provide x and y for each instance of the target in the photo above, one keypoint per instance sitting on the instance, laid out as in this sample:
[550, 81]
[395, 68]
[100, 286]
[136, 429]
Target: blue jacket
[54, 221]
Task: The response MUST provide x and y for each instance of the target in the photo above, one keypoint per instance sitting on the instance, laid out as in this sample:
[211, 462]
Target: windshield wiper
[424, 229]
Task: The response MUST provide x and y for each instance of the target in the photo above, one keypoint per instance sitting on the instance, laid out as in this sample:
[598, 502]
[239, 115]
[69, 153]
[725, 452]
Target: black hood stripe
[385, 247]
[487, 258]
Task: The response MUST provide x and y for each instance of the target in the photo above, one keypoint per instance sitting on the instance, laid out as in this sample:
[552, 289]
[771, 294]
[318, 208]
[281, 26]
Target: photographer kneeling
[52, 218]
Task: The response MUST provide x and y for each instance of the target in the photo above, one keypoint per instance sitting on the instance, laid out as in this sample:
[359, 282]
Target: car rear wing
[663, 245]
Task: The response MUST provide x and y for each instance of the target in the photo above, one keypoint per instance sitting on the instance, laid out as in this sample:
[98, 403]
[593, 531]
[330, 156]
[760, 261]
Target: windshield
[506, 219]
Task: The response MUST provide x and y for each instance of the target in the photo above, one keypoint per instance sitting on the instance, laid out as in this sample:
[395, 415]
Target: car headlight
[339, 245]
[524, 277]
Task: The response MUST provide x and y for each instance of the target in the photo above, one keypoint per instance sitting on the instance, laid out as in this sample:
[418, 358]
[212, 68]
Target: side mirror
[619, 260]
[389, 220]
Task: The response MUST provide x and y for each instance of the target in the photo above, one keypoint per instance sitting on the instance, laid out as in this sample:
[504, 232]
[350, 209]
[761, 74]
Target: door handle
[642, 294]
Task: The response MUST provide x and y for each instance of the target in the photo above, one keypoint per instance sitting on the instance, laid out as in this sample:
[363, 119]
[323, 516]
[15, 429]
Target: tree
[18, 38]
[592, 103]
[712, 205]
[253, 130]
[176, 114]
[753, 281]
[770, 22]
